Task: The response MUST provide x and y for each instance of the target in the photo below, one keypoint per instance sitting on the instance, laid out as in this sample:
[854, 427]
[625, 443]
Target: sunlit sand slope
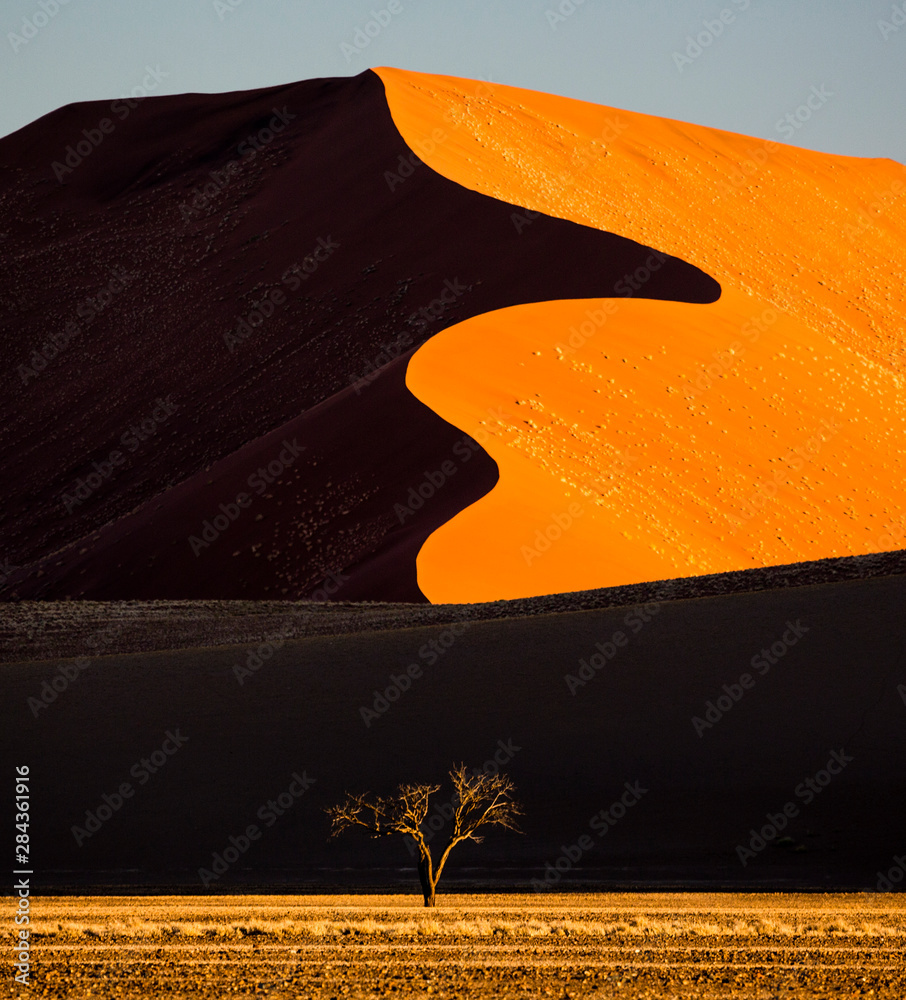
[615, 466]
[757, 430]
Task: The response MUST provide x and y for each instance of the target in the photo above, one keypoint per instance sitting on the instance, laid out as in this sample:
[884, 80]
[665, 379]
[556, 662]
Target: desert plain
[458, 413]
[632, 945]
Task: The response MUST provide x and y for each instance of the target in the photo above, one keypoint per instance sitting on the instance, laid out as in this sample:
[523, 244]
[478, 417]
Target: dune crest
[684, 433]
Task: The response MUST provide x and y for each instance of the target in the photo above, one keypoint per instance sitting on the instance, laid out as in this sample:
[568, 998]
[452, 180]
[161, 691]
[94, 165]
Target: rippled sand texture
[640, 440]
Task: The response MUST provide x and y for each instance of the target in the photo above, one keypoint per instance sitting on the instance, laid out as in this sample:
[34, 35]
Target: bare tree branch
[483, 800]
[478, 800]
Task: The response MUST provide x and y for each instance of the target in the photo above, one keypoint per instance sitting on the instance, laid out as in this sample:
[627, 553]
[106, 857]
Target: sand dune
[620, 463]
[280, 255]
[759, 429]
[402, 336]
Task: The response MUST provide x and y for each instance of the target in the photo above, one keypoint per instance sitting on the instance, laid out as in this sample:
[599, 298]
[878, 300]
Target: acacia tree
[478, 800]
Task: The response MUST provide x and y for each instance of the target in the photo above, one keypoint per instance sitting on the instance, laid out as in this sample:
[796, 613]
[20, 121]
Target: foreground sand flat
[592, 945]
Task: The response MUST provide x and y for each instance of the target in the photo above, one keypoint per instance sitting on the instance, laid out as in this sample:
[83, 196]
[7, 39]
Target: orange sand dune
[623, 458]
[760, 429]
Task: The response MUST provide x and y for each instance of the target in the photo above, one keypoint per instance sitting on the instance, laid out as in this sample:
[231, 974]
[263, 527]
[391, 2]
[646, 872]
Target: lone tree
[478, 800]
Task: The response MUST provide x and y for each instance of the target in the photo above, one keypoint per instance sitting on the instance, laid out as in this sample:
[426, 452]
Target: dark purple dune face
[208, 305]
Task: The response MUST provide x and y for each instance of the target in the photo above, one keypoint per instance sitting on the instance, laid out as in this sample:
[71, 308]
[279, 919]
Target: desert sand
[271, 297]
[653, 438]
[609, 390]
[718, 946]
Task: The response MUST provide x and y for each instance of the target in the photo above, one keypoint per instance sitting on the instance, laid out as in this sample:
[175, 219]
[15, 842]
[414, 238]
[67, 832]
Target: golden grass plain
[632, 945]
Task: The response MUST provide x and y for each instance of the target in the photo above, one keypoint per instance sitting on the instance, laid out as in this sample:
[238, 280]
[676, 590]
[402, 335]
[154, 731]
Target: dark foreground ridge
[750, 739]
[207, 319]
[56, 629]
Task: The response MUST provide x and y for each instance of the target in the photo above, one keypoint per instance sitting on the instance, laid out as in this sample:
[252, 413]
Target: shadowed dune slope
[55, 630]
[759, 429]
[297, 220]
[828, 685]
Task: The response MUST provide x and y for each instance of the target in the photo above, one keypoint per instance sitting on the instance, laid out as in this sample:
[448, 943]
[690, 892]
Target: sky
[748, 66]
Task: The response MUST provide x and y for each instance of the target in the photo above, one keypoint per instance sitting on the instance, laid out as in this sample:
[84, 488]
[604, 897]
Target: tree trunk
[424, 876]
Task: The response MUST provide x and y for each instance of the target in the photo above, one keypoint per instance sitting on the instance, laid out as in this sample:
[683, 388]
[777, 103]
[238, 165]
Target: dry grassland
[593, 945]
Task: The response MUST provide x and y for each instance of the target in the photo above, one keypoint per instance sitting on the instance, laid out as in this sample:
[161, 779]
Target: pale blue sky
[759, 65]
